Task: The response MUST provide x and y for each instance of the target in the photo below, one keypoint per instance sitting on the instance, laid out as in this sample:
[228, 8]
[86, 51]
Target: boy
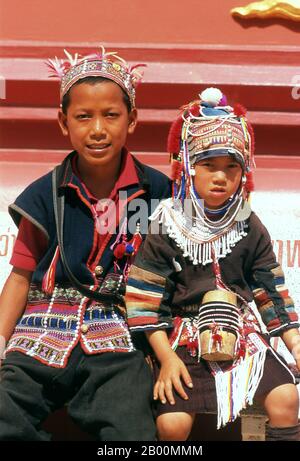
[207, 256]
[61, 310]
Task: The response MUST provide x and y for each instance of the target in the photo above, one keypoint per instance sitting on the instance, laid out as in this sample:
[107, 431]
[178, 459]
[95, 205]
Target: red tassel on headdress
[249, 186]
[239, 110]
[176, 169]
[174, 137]
[251, 132]
[49, 277]
[194, 109]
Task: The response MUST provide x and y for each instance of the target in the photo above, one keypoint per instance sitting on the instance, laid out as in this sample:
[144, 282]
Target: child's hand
[172, 373]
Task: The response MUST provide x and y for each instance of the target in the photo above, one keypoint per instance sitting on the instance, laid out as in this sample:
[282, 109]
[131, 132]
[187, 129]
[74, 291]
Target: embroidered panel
[52, 325]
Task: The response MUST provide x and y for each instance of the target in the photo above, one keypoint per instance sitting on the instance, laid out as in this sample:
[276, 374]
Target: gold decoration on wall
[270, 9]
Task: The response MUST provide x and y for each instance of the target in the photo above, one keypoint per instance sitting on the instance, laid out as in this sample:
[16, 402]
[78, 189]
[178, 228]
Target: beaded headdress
[100, 64]
[207, 128]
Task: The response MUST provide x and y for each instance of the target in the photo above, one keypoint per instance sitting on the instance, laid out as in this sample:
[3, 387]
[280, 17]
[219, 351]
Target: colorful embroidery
[52, 325]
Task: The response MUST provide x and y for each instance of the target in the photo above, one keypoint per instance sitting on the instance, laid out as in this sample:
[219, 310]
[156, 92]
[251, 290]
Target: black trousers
[109, 396]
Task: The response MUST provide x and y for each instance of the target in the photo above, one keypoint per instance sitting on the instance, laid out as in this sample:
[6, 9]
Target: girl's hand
[172, 373]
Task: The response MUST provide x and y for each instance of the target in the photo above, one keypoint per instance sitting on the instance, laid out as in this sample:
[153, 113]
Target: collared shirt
[31, 242]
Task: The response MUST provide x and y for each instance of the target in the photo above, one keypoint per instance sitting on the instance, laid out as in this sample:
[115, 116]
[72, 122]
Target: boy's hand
[172, 373]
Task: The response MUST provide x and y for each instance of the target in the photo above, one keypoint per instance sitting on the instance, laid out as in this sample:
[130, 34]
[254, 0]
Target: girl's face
[97, 123]
[217, 179]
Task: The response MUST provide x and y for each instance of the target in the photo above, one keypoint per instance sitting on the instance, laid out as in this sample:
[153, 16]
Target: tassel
[236, 386]
[217, 341]
[134, 244]
[249, 186]
[129, 248]
[239, 110]
[122, 233]
[194, 109]
[192, 347]
[174, 339]
[176, 169]
[241, 349]
[120, 250]
[49, 277]
[174, 137]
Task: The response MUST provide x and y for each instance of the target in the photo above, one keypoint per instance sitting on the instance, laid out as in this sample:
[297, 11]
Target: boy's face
[97, 123]
[216, 179]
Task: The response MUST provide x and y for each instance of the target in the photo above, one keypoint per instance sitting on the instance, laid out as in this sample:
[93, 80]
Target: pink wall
[136, 21]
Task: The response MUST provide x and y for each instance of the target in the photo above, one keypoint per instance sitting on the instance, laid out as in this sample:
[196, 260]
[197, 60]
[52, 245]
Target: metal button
[98, 270]
[84, 328]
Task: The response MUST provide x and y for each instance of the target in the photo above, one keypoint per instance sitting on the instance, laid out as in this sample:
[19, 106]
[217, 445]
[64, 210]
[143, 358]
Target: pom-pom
[174, 137]
[129, 249]
[176, 170]
[251, 132]
[211, 96]
[194, 110]
[239, 110]
[249, 186]
[223, 101]
[119, 251]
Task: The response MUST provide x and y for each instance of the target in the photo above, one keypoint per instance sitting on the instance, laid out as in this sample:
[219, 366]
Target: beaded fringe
[197, 242]
[236, 387]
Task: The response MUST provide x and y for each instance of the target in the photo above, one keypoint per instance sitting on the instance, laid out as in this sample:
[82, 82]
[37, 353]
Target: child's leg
[174, 426]
[282, 406]
[114, 397]
[23, 405]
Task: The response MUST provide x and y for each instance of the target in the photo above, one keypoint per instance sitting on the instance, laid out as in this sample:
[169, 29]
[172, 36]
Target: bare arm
[172, 370]
[13, 301]
[291, 339]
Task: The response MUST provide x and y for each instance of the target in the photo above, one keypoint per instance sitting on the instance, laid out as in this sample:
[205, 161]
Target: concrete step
[37, 128]
[166, 84]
